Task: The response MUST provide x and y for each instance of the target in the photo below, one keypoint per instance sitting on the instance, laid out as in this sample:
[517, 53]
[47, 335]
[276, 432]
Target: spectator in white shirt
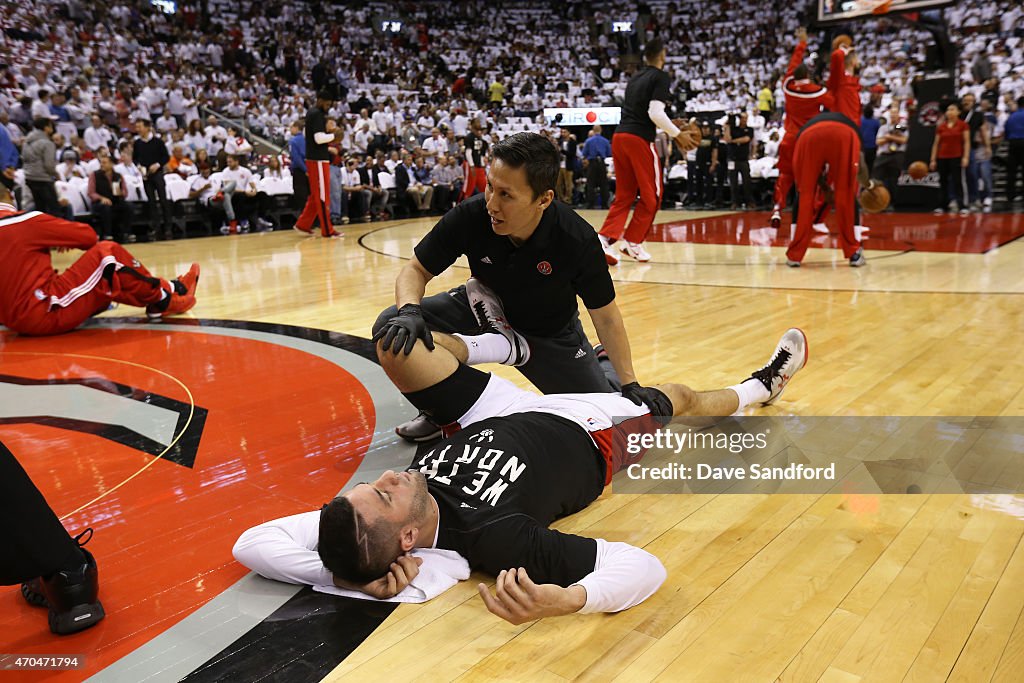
[216, 136]
[166, 123]
[97, 135]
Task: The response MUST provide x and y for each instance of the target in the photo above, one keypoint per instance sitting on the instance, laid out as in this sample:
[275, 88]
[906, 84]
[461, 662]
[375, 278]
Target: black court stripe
[301, 642]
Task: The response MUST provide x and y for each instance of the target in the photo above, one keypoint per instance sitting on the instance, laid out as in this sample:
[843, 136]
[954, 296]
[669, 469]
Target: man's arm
[411, 283]
[50, 232]
[798, 52]
[612, 333]
[285, 550]
[617, 577]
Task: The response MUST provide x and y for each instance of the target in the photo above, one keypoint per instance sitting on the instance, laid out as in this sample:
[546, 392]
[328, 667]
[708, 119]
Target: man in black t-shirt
[320, 131]
[637, 166]
[974, 118]
[739, 137]
[475, 179]
[517, 462]
[530, 257]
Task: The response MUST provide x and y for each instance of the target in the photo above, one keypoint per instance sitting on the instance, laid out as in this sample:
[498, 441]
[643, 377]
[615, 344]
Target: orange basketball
[918, 170]
[842, 40]
[874, 199]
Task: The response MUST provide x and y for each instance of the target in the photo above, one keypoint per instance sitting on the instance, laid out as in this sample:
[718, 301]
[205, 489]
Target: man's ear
[408, 536]
[546, 199]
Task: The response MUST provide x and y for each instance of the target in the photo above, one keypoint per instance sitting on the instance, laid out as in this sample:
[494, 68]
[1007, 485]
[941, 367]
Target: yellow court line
[177, 437]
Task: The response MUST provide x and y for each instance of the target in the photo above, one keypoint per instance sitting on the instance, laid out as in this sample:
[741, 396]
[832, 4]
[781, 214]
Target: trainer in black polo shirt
[530, 257]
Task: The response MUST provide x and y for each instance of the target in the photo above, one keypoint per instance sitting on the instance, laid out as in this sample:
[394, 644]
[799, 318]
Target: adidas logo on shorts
[581, 354]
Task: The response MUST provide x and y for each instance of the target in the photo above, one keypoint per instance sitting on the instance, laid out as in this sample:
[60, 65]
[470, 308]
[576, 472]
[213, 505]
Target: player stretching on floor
[514, 462]
[35, 299]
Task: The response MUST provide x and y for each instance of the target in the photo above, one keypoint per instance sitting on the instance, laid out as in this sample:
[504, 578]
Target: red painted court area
[282, 430]
[974, 234]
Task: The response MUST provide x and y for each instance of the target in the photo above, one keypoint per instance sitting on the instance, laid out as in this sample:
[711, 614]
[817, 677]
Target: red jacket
[27, 277]
[804, 97]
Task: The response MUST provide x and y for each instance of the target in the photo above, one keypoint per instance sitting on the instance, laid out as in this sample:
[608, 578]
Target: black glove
[652, 398]
[404, 329]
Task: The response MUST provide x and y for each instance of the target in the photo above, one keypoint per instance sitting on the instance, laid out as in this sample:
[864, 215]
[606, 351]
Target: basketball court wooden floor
[171, 439]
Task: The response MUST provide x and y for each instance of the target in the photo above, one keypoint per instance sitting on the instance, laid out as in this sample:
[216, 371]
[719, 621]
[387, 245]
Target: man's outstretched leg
[437, 382]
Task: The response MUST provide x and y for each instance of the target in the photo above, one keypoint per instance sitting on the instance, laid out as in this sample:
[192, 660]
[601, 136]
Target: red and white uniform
[804, 100]
[36, 299]
[829, 144]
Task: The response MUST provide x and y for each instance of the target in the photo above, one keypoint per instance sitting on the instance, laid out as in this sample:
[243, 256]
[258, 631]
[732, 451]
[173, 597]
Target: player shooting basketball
[805, 99]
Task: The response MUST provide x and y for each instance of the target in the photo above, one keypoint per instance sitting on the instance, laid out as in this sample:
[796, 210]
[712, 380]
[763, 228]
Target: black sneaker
[72, 595]
[420, 429]
[791, 354]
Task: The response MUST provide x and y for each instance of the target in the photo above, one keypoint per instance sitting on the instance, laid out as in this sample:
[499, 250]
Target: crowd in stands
[116, 111]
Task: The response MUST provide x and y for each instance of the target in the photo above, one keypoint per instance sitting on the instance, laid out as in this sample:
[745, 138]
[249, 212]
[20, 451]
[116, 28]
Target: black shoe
[72, 595]
[32, 591]
[420, 429]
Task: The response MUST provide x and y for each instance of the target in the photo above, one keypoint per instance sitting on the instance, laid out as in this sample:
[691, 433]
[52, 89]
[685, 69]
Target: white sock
[750, 391]
[486, 348]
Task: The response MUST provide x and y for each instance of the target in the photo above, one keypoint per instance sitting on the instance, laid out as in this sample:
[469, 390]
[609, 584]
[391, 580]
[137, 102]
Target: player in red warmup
[35, 299]
[827, 147]
[805, 99]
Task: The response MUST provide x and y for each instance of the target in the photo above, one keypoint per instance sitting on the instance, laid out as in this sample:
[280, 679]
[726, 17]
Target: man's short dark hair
[353, 550]
[801, 72]
[1020, 103]
[653, 48]
[41, 122]
[536, 154]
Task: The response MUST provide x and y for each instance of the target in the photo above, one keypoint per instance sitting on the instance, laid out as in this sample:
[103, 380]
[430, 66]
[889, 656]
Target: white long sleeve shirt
[286, 550]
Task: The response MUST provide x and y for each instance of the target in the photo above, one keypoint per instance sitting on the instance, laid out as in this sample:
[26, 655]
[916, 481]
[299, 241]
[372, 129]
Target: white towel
[441, 569]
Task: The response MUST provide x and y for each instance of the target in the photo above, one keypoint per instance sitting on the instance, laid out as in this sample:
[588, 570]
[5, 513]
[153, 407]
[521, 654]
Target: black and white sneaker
[858, 260]
[791, 354]
[486, 307]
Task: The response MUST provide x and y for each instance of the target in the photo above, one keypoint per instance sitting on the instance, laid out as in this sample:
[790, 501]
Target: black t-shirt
[316, 122]
[538, 281]
[502, 481]
[741, 151]
[974, 118]
[478, 146]
[704, 150]
[649, 84]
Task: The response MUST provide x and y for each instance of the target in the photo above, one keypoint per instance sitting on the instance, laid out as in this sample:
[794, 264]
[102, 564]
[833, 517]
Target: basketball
[841, 41]
[917, 170]
[874, 199]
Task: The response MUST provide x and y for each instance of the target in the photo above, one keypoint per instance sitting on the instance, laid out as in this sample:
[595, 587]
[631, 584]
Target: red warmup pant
[637, 170]
[474, 179]
[784, 183]
[836, 146]
[318, 204]
[104, 273]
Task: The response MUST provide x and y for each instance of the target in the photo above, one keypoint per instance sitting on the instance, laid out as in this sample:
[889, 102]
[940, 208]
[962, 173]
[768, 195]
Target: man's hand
[801, 35]
[643, 396]
[153, 168]
[400, 574]
[404, 329]
[9, 172]
[518, 599]
[105, 202]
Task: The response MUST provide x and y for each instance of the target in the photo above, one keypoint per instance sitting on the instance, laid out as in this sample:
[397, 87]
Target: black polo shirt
[651, 83]
[538, 282]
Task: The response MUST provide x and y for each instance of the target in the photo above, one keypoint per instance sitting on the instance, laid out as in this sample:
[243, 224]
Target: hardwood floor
[835, 587]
